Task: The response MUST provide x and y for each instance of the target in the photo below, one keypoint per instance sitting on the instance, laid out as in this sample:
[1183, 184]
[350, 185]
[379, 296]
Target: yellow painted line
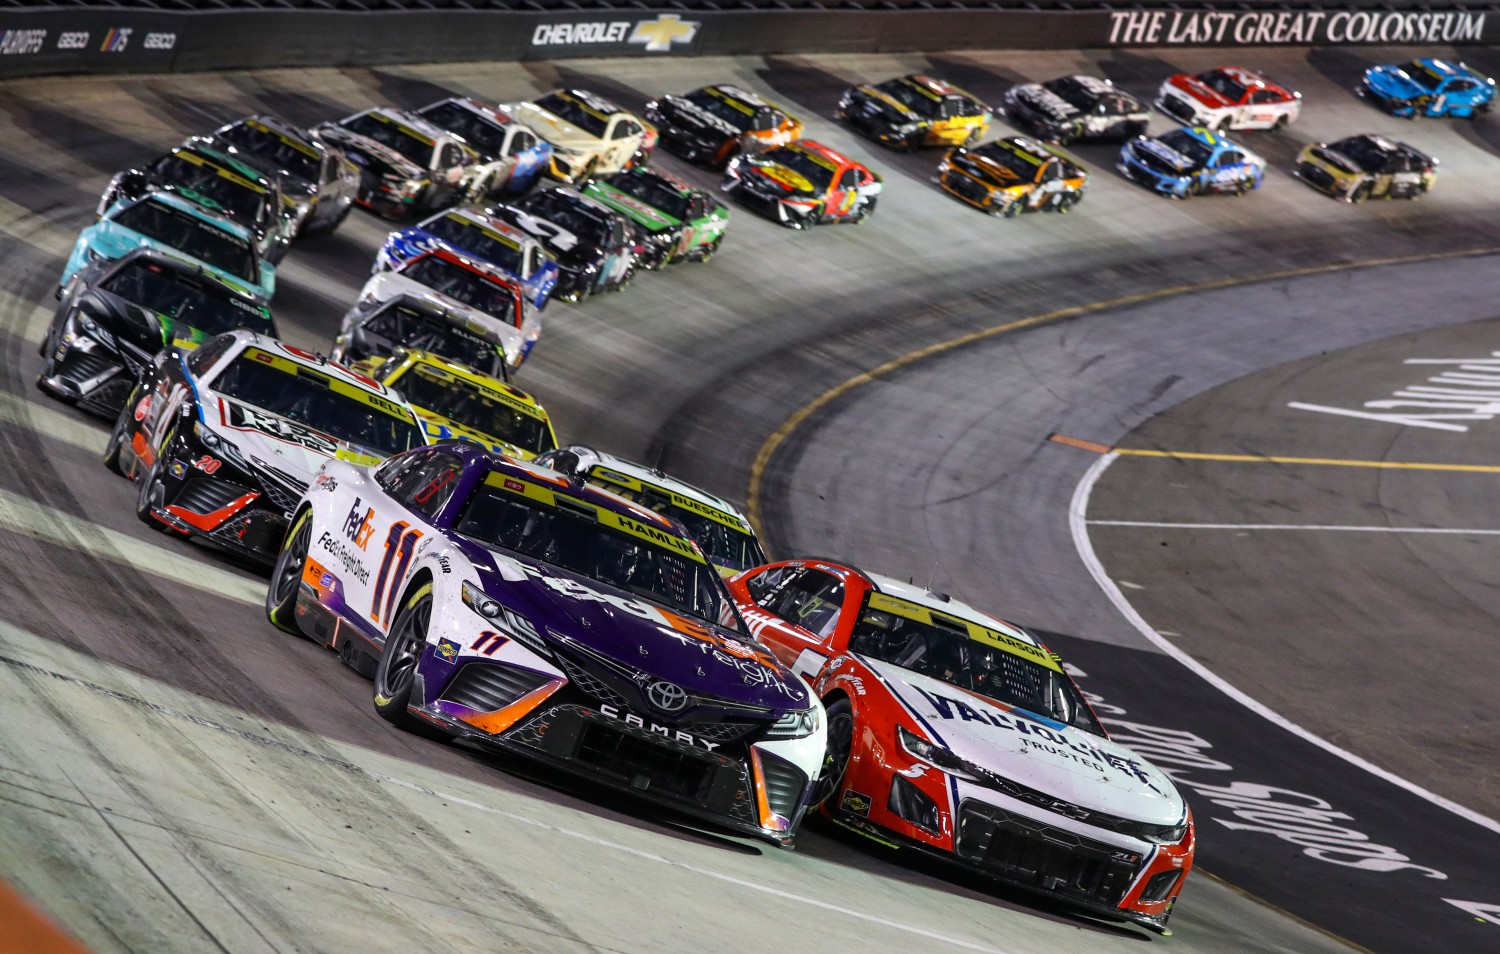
[778, 437]
[1313, 461]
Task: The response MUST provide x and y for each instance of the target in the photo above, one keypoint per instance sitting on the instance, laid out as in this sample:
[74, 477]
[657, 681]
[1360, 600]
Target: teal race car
[674, 220]
[170, 223]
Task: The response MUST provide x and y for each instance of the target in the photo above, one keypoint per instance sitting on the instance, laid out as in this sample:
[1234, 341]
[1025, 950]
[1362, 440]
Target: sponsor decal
[73, 40]
[160, 41]
[116, 40]
[659, 34]
[21, 42]
[488, 642]
[665, 731]
[1313, 27]
[855, 803]
[245, 417]
[656, 35]
[177, 469]
[208, 464]
[359, 525]
[572, 34]
[447, 649]
[349, 557]
[325, 482]
[325, 580]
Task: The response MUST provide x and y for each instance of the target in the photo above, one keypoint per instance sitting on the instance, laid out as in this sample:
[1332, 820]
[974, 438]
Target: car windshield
[219, 189]
[422, 330]
[1074, 92]
[723, 544]
[465, 285]
[194, 300]
[1421, 74]
[474, 407]
[995, 160]
[1180, 141]
[192, 236]
[340, 409]
[740, 117]
[483, 136]
[469, 236]
[267, 148]
[1223, 84]
[1363, 152]
[654, 192]
[411, 145]
[571, 225]
[579, 114]
[949, 654]
[911, 97]
[593, 543]
[815, 170]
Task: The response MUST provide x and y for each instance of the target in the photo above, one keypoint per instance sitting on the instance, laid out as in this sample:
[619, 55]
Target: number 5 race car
[955, 733]
[507, 605]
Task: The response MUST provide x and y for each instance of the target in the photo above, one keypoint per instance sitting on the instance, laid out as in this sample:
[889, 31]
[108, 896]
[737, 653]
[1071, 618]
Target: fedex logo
[359, 525]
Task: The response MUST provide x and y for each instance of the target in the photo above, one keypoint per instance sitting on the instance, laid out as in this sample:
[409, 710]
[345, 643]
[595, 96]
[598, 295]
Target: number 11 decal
[400, 541]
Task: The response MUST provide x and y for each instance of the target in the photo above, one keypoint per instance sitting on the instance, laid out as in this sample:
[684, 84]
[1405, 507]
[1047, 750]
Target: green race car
[674, 219]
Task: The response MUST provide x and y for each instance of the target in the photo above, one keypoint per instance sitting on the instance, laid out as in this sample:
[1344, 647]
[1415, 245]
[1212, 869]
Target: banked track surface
[177, 776]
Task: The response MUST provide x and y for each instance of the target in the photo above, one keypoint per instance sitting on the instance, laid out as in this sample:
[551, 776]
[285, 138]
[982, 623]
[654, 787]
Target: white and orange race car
[956, 733]
[1229, 97]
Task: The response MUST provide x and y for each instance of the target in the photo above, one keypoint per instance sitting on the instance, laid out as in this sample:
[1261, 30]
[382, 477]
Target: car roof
[1093, 84]
[166, 259]
[578, 490]
[588, 98]
[485, 219]
[220, 157]
[245, 338]
[663, 481]
[730, 91]
[282, 128]
[415, 356]
[401, 117]
[481, 109]
[946, 605]
[817, 148]
[475, 265]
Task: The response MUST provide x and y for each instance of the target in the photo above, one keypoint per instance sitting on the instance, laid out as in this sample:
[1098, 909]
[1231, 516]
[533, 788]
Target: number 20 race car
[508, 605]
[955, 733]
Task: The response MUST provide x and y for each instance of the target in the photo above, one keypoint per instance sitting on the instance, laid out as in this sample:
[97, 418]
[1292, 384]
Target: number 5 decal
[399, 544]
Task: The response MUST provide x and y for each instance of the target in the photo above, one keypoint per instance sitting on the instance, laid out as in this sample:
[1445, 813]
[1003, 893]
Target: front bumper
[89, 374]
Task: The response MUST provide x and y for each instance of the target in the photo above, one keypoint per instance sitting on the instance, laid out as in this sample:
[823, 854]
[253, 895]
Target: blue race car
[1428, 87]
[476, 235]
[1188, 162]
[514, 155]
[169, 223]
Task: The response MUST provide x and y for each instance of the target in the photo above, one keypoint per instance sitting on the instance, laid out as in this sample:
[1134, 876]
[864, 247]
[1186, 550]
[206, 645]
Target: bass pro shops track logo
[657, 35]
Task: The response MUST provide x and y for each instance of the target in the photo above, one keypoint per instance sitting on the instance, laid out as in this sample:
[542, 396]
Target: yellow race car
[456, 403]
[1012, 175]
[1366, 166]
[913, 111]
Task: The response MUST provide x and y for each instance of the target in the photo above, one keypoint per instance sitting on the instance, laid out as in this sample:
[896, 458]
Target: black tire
[117, 438]
[1246, 185]
[1222, 128]
[150, 490]
[1012, 209]
[395, 677]
[705, 253]
[1361, 193]
[836, 755]
[1279, 126]
[286, 577]
[866, 210]
[973, 136]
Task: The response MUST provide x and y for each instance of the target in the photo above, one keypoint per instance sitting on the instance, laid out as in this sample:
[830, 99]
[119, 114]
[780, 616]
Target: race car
[957, 734]
[505, 605]
[407, 165]
[485, 299]
[594, 246]
[912, 111]
[218, 182]
[589, 135]
[1076, 109]
[673, 220]
[315, 177]
[512, 156]
[712, 124]
[1188, 162]
[480, 236]
[376, 329]
[455, 402]
[116, 315]
[1428, 87]
[803, 184]
[224, 440]
[1366, 166]
[720, 530]
[1012, 175]
[1230, 97]
[172, 224]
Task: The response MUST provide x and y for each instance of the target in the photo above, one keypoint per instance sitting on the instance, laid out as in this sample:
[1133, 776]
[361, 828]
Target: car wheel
[1223, 126]
[836, 755]
[1280, 124]
[479, 190]
[865, 211]
[706, 252]
[1012, 209]
[396, 675]
[1246, 185]
[117, 438]
[152, 491]
[1361, 193]
[973, 136]
[286, 577]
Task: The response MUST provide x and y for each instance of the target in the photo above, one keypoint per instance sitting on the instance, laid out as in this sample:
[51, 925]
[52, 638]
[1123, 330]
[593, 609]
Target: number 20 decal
[400, 541]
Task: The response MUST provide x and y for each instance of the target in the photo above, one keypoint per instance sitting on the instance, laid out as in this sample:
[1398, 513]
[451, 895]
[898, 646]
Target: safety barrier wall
[81, 40]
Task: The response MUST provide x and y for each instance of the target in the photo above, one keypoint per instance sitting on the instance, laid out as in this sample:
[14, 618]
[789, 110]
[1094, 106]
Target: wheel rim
[836, 759]
[290, 564]
[153, 492]
[402, 647]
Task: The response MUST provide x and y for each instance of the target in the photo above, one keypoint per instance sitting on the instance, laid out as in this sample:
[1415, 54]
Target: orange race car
[912, 111]
[712, 124]
[1012, 175]
[803, 184]
[958, 734]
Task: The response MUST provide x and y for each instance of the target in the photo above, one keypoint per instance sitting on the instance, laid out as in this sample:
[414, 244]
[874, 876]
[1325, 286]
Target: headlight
[797, 725]
[483, 604]
[219, 445]
[88, 324]
[503, 618]
[934, 755]
[1156, 834]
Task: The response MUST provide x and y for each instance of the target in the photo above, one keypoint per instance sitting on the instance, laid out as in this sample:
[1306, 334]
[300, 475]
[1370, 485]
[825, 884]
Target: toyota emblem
[667, 696]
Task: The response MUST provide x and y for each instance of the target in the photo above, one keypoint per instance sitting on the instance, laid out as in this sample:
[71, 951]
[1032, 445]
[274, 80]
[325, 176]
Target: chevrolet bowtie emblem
[661, 33]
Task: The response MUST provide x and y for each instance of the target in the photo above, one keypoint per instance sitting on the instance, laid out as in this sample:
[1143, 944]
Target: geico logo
[160, 41]
[73, 40]
[665, 731]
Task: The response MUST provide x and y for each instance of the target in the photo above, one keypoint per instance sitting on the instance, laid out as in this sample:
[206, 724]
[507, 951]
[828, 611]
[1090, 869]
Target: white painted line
[35, 229]
[1288, 526]
[1078, 524]
[9, 636]
[22, 515]
[51, 423]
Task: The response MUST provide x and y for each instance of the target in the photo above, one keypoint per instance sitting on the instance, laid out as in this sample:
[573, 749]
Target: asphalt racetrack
[175, 775]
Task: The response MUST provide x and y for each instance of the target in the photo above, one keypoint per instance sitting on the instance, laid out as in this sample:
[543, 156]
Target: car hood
[632, 633]
[1044, 101]
[555, 129]
[1165, 153]
[778, 176]
[295, 449]
[1197, 90]
[1067, 763]
[693, 119]
[388, 285]
[890, 108]
[1332, 157]
[366, 152]
[1393, 82]
[147, 330]
[648, 217]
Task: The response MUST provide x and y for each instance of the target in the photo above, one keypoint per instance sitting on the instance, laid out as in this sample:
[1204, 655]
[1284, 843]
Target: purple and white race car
[509, 605]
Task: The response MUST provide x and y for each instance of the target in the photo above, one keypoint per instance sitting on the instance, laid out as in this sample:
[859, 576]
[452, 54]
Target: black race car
[116, 315]
[218, 182]
[316, 178]
[594, 245]
[375, 328]
[712, 124]
[1076, 109]
[224, 440]
[407, 165]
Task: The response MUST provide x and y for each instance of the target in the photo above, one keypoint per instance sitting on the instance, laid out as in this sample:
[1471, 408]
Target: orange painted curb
[25, 930]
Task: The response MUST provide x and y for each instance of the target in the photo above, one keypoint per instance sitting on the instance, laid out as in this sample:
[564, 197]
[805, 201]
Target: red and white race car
[956, 733]
[1230, 97]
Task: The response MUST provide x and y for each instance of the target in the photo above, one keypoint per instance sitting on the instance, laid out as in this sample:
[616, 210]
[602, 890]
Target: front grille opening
[486, 687]
[204, 495]
[913, 804]
[1026, 852]
[1160, 885]
[785, 784]
[591, 685]
[647, 766]
[80, 367]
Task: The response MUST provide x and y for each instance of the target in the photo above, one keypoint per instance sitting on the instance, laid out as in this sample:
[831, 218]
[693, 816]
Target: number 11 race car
[508, 605]
[955, 733]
